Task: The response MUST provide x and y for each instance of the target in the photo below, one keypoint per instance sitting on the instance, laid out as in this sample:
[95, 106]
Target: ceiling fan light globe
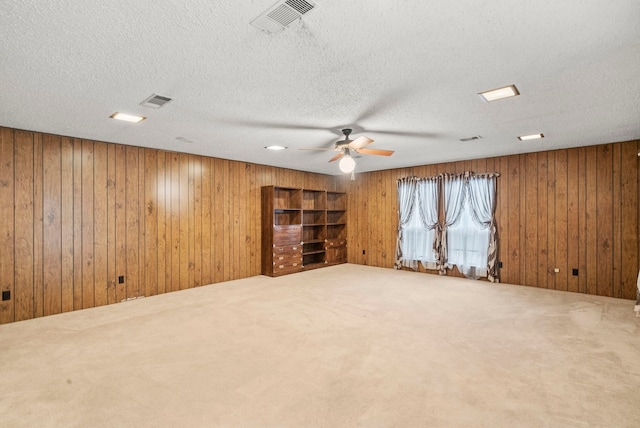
[347, 164]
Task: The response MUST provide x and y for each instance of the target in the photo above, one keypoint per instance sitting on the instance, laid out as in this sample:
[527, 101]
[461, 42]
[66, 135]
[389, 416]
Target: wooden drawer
[336, 243]
[287, 234]
[280, 249]
[286, 268]
[294, 257]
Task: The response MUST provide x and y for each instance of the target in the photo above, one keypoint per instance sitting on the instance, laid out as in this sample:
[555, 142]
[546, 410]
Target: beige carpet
[347, 346]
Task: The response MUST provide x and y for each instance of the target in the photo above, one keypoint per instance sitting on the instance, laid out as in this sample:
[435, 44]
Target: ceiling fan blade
[336, 157]
[375, 152]
[360, 142]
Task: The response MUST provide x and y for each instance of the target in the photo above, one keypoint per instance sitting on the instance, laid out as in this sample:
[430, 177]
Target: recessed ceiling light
[498, 94]
[127, 117]
[530, 137]
[275, 147]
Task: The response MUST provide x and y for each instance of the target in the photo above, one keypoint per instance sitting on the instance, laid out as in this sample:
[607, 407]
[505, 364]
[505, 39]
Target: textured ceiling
[404, 73]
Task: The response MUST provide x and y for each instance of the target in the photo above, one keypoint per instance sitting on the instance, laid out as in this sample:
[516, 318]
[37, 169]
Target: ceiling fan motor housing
[342, 144]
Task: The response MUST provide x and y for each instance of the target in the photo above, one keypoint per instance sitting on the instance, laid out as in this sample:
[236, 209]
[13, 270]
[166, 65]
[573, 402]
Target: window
[418, 205]
[468, 244]
[468, 236]
[417, 240]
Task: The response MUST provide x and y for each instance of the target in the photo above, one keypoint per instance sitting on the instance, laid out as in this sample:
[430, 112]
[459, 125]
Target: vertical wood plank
[198, 253]
[591, 219]
[52, 226]
[616, 247]
[191, 210]
[77, 224]
[531, 221]
[504, 249]
[100, 224]
[257, 236]
[183, 228]
[551, 219]
[542, 238]
[513, 261]
[7, 225]
[582, 220]
[573, 239]
[141, 220]
[161, 207]
[151, 222]
[168, 229]
[23, 295]
[219, 222]
[88, 239]
[604, 222]
[175, 222]
[207, 251]
[132, 280]
[630, 229]
[237, 199]
[111, 224]
[121, 222]
[561, 235]
[67, 222]
[227, 252]
[523, 218]
[38, 226]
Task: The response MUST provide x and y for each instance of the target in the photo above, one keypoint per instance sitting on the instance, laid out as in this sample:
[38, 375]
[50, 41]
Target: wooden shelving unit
[302, 229]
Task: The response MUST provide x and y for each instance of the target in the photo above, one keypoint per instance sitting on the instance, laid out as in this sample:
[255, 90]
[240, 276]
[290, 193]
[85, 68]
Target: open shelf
[336, 201]
[313, 247]
[286, 216]
[336, 231]
[309, 260]
[314, 217]
[314, 199]
[314, 241]
[287, 198]
[308, 253]
[313, 233]
[336, 217]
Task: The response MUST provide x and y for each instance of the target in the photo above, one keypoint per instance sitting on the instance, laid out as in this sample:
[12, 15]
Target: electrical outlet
[121, 279]
[556, 270]
[363, 252]
[6, 295]
[575, 272]
[500, 265]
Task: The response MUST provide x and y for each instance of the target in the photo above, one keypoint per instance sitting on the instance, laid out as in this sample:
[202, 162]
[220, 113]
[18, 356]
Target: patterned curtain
[428, 195]
[482, 198]
[407, 187]
[454, 195]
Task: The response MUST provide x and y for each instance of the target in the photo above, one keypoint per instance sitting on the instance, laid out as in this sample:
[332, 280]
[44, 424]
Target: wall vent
[155, 101]
[282, 14]
[475, 137]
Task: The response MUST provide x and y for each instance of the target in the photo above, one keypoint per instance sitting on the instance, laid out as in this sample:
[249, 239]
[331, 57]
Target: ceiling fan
[346, 147]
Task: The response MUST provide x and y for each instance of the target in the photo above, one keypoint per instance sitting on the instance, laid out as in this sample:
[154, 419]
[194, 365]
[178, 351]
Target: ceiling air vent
[282, 14]
[155, 101]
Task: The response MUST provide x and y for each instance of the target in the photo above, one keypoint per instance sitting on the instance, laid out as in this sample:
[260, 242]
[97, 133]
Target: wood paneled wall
[77, 214]
[89, 212]
[566, 209]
